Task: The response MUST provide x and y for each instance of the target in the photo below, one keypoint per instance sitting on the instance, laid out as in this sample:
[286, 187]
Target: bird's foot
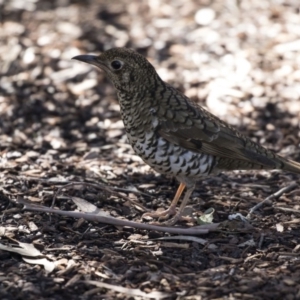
[185, 216]
[172, 221]
[171, 211]
[161, 215]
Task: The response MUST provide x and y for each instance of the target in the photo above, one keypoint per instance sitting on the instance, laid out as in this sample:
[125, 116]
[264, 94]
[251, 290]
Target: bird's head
[126, 69]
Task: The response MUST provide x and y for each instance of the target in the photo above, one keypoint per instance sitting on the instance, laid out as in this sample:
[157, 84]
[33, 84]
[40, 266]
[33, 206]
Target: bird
[172, 133]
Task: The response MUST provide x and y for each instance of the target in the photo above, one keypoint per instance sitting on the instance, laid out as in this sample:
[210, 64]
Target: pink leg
[172, 208]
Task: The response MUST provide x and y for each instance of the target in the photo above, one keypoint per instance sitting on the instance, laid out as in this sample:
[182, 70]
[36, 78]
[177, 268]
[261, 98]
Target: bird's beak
[89, 59]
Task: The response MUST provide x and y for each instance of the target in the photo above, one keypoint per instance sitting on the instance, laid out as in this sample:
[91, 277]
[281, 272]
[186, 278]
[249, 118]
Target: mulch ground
[60, 123]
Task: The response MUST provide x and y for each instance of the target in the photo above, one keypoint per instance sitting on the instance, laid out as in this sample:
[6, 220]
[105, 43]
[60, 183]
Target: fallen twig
[296, 211]
[98, 217]
[273, 196]
[128, 291]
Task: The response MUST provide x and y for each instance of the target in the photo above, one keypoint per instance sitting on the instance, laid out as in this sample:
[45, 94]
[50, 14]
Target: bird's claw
[161, 215]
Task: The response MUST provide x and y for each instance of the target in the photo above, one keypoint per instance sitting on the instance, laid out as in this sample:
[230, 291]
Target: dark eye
[116, 65]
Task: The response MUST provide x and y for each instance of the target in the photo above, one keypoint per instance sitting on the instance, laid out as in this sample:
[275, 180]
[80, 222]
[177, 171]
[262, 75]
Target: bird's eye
[116, 65]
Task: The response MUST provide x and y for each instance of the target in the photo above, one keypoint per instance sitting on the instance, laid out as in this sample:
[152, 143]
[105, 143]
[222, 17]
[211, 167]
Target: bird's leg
[185, 200]
[172, 208]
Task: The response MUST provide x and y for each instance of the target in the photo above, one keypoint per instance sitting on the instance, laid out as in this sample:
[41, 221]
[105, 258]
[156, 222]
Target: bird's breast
[170, 159]
[163, 156]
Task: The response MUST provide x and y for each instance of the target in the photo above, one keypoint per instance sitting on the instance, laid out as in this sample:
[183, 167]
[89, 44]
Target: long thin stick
[273, 196]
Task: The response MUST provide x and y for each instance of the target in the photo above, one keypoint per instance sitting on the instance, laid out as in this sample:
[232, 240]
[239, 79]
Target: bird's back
[189, 131]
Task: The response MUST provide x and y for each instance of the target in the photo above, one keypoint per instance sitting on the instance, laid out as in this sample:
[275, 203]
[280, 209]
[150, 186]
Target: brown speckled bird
[173, 134]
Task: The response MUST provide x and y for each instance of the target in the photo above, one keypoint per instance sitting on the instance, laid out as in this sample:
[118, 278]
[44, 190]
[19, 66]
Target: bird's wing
[183, 122]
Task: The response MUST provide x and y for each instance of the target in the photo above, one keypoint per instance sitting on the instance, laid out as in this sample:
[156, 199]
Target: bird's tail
[291, 166]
